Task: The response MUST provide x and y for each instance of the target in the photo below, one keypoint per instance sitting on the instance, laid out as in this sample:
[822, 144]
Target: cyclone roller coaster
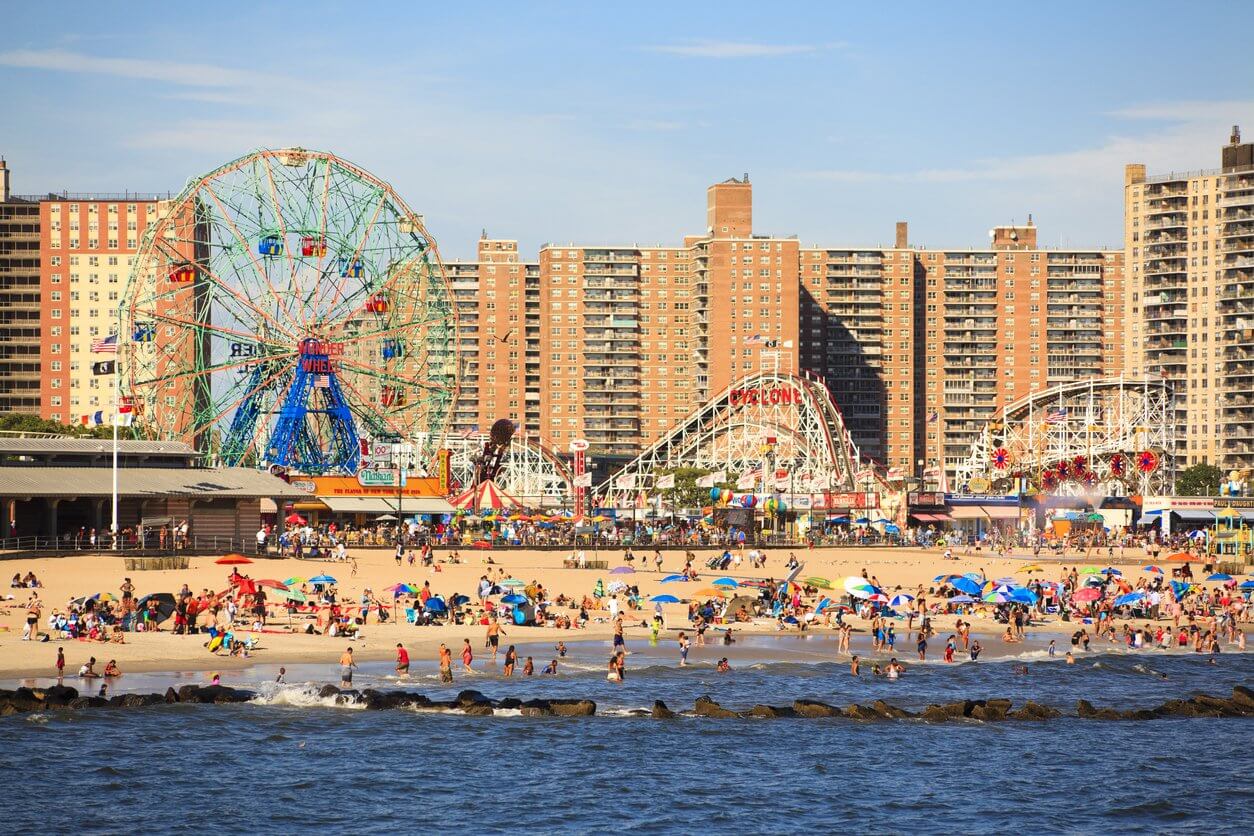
[1103, 436]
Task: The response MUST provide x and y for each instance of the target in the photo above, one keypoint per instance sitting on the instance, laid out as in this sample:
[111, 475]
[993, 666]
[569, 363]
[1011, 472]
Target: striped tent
[489, 496]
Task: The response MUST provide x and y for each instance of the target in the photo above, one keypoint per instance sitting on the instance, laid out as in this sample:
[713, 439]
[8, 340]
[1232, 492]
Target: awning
[1195, 515]
[386, 505]
[986, 512]
[930, 517]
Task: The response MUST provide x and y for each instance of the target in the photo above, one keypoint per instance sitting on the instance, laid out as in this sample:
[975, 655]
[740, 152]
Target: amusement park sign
[754, 397]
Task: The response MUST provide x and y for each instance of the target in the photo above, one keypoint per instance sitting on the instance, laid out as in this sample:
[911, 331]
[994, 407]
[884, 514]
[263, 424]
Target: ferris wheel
[283, 308]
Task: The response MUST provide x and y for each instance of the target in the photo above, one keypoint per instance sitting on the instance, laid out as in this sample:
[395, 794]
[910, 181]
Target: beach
[897, 569]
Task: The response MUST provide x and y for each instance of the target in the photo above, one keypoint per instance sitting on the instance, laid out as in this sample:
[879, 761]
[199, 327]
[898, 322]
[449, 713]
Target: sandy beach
[69, 577]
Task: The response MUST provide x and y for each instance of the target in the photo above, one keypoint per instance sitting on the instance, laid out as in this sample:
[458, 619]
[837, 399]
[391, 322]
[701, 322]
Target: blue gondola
[270, 245]
[351, 270]
[393, 349]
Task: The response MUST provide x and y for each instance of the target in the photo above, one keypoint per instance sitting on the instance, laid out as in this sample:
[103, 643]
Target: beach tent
[488, 495]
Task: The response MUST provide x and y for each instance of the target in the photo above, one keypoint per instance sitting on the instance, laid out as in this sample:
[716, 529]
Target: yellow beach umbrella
[1031, 567]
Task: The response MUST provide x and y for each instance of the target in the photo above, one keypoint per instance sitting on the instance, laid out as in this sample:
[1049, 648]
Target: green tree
[1199, 480]
[18, 422]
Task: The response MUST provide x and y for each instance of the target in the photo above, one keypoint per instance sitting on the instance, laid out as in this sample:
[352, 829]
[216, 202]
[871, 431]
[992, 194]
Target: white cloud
[738, 49]
[170, 72]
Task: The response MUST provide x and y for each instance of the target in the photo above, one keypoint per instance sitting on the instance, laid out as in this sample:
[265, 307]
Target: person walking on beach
[620, 644]
[922, 646]
[60, 663]
[346, 668]
[446, 663]
[511, 659]
[402, 660]
[683, 650]
[468, 656]
[494, 636]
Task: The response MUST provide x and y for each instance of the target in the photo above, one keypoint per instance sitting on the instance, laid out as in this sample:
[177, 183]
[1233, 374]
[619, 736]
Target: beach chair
[410, 615]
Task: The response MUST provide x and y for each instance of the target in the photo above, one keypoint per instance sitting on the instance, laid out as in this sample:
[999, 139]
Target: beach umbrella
[819, 583]
[622, 570]
[1088, 593]
[960, 599]
[399, 589]
[436, 604]
[1184, 557]
[1246, 585]
[1090, 570]
[996, 597]
[664, 599]
[944, 578]
[674, 579]
[1179, 588]
[292, 595]
[1023, 595]
[616, 586]
[1006, 582]
[459, 600]
[822, 605]
[728, 582]
[1130, 598]
[863, 521]
[975, 576]
[513, 583]
[232, 560]
[1153, 570]
[1110, 570]
[892, 528]
[1031, 567]
[966, 585]
[103, 596]
[322, 579]
[1220, 576]
[245, 586]
[712, 590]
[879, 598]
[859, 587]
[294, 581]
[165, 604]
[514, 598]
[294, 519]
[273, 584]
[900, 600]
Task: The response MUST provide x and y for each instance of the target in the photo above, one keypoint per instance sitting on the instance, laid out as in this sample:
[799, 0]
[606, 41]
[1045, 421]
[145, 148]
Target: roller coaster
[1102, 436]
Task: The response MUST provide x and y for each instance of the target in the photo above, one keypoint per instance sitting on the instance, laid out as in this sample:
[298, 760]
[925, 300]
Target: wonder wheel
[285, 307]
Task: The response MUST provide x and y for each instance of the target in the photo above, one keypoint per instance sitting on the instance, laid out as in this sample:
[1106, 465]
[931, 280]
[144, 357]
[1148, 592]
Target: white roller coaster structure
[729, 434]
[1107, 436]
[530, 471]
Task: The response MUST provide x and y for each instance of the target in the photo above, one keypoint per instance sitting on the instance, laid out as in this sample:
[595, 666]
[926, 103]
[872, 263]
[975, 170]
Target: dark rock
[811, 708]
[991, 710]
[854, 711]
[1085, 709]
[536, 708]
[7, 709]
[59, 695]
[1216, 705]
[187, 693]
[891, 711]
[935, 714]
[661, 712]
[328, 691]
[412, 699]
[509, 703]
[1243, 696]
[441, 705]
[86, 702]
[377, 700]
[771, 711]
[1034, 711]
[706, 707]
[573, 708]
[171, 696]
[479, 709]
[1139, 714]
[470, 697]
[1176, 708]
[140, 700]
[349, 697]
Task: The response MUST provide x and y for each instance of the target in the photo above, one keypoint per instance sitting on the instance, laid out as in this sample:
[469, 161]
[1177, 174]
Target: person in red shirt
[402, 659]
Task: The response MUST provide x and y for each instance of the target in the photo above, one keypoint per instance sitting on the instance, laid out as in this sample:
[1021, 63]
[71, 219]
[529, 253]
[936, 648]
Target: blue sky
[605, 122]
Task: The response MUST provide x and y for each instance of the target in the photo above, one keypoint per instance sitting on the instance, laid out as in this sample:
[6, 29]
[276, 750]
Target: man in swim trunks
[402, 659]
[346, 668]
[683, 650]
[446, 663]
[494, 636]
[620, 644]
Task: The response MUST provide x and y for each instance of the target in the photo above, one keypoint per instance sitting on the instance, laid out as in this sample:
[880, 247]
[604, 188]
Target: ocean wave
[301, 696]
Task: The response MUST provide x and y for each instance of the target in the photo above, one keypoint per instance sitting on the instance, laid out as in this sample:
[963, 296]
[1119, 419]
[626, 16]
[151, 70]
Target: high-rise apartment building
[87, 248]
[1187, 236]
[19, 300]
[497, 298]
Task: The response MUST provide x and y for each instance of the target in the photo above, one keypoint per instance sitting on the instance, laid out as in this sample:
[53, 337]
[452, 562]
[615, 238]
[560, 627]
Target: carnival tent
[488, 496]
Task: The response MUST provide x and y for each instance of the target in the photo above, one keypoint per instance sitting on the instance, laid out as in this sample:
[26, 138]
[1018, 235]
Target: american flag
[1056, 416]
[754, 340]
[109, 345]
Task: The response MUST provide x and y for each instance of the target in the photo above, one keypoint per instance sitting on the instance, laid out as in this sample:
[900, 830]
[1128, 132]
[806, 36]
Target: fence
[13, 548]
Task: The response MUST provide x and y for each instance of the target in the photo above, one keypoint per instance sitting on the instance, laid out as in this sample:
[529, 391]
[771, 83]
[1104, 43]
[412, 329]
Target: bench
[143, 564]
[587, 564]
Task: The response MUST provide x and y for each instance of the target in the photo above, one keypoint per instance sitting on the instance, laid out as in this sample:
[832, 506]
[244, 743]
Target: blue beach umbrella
[1023, 595]
[900, 600]
[458, 600]
[435, 605]
[514, 598]
[728, 582]
[827, 602]
[1246, 585]
[966, 585]
[1111, 570]
[892, 528]
[960, 599]
[1220, 576]
[664, 599]
[1179, 588]
[1129, 598]
[673, 578]
[322, 579]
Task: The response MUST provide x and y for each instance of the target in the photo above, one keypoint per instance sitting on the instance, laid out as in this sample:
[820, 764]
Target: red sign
[753, 397]
[851, 500]
[310, 345]
[317, 365]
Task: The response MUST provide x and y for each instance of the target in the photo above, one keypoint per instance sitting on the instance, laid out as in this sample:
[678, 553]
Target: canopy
[487, 495]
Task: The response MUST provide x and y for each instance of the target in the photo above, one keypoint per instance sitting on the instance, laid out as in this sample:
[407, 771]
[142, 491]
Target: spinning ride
[284, 307]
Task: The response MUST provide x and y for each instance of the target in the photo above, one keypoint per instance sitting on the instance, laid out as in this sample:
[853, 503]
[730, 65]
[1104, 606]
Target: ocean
[291, 760]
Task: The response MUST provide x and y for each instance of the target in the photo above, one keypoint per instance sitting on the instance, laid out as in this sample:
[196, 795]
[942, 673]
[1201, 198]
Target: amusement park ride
[288, 306]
